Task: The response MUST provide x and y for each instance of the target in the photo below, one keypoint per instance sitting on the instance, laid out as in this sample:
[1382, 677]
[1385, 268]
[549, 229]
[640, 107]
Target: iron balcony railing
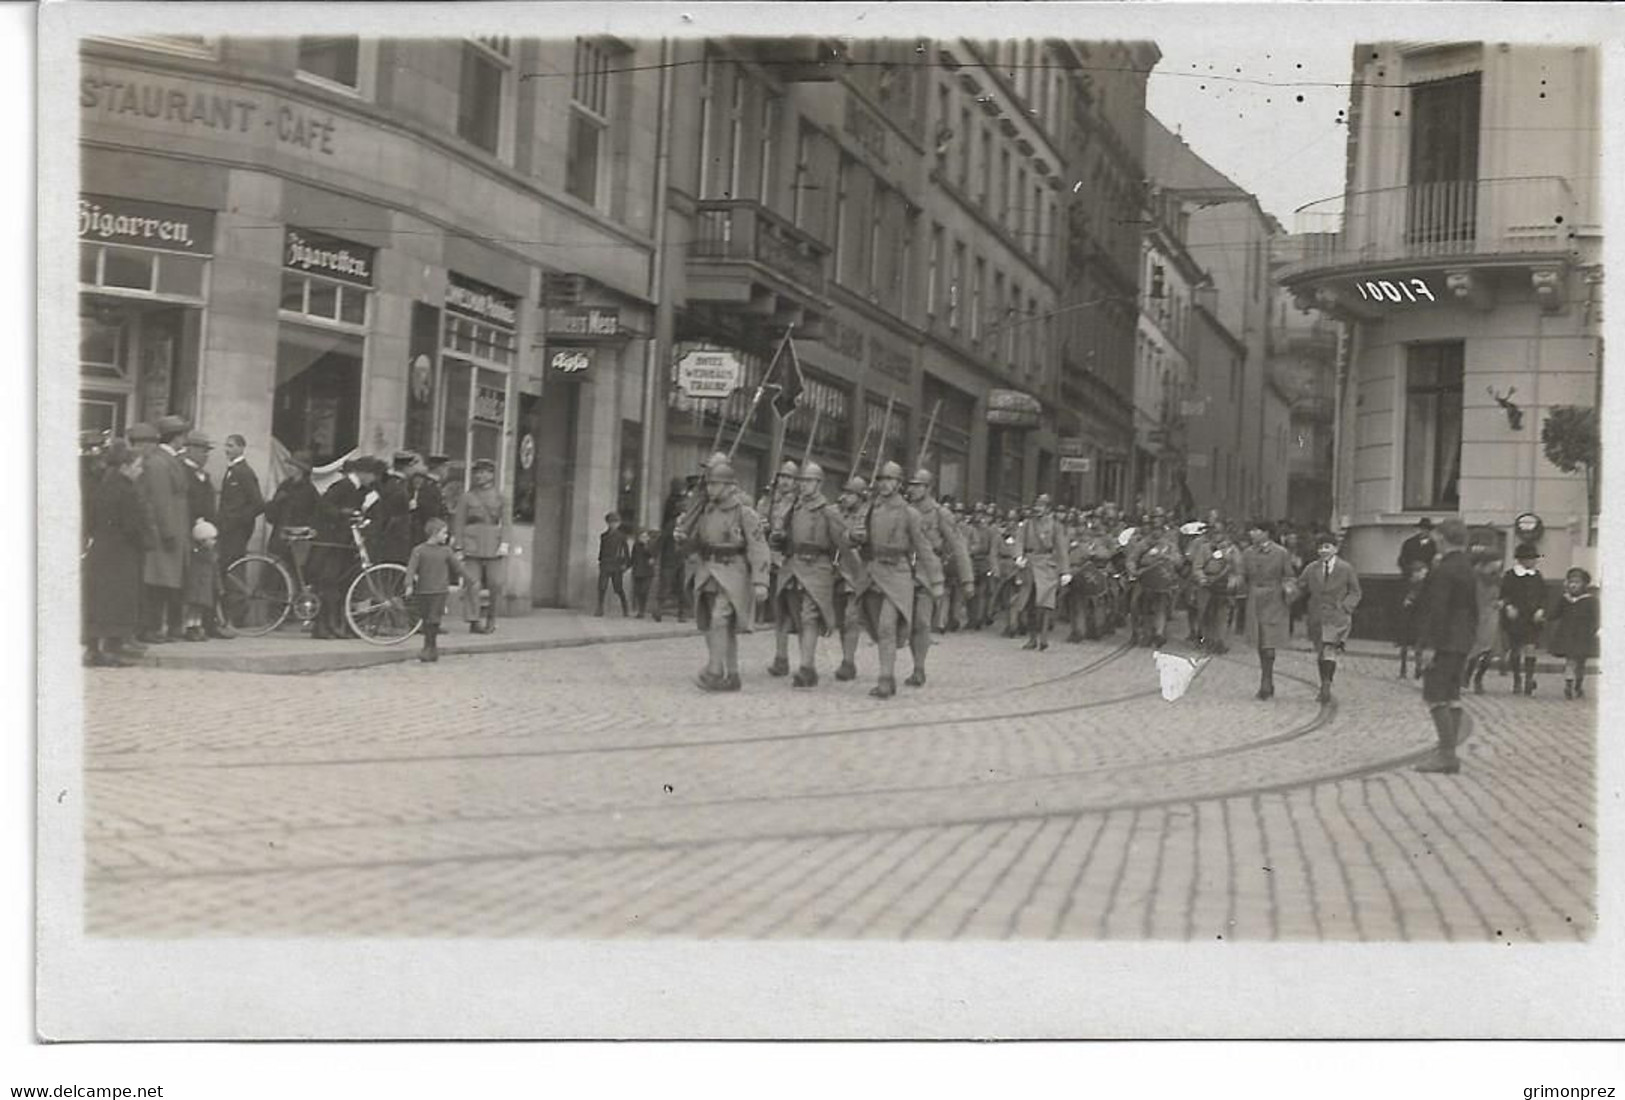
[741, 229]
[1427, 221]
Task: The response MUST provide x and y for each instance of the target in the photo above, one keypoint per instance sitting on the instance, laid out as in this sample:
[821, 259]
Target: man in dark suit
[201, 505]
[1447, 626]
[241, 502]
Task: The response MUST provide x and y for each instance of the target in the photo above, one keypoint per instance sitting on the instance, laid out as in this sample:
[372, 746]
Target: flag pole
[885, 430]
[761, 388]
[931, 425]
[818, 411]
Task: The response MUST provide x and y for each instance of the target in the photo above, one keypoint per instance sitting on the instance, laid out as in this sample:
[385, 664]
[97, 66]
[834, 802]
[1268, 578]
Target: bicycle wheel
[376, 605]
[256, 594]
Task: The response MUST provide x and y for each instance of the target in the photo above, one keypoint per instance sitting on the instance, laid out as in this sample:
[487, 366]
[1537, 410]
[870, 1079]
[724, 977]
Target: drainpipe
[651, 471]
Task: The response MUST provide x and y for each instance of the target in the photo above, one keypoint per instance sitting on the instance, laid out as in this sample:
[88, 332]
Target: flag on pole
[792, 383]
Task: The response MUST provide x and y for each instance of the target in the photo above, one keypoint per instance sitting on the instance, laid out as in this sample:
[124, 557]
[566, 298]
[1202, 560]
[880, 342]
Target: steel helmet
[788, 469]
[720, 471]
[890, 470]
[921, 477]
[855, 484]
[812, 471]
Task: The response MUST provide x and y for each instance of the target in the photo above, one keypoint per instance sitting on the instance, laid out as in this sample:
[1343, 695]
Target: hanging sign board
[1012, 409]
[1071, 464]
[708, 374]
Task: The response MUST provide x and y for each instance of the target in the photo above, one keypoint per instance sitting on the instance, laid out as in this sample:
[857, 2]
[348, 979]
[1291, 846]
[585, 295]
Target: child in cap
[1523, 612]
[428, 578]
[1574, 630]
[201, 581]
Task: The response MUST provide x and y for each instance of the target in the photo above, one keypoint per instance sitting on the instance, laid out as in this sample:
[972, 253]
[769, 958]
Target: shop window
[324, 298]
[956, 281]
[1433, 404]
[482, 91]
[335, 60]
[477, 357]
[318, 391]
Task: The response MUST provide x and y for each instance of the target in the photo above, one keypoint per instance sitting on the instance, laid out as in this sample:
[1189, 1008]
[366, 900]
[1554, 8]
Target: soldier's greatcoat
[814, 534]
[947, 546]
[1264, 571]
[1044, 541]
[895, 548]
[852, 572]
[729, 547]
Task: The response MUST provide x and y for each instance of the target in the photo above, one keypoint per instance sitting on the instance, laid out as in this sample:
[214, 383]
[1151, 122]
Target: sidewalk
[289, 650]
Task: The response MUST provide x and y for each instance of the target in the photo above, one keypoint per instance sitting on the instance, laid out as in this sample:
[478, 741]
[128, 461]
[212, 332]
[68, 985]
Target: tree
[1572, 442]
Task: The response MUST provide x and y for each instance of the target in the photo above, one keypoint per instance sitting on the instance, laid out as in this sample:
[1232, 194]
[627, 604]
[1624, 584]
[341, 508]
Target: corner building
[1464, 256]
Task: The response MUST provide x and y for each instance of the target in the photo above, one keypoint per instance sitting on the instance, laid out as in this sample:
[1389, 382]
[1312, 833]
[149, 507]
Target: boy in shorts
[428, 577]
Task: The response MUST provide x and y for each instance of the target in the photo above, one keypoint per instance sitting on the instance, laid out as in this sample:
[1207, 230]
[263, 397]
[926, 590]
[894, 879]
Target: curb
[317, 660]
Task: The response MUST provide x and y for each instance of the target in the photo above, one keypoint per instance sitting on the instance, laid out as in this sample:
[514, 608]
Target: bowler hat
[117, 453]
[195, 438]
[142, 433]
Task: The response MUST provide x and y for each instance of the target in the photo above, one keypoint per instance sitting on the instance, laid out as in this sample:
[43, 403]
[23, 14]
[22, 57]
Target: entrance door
[553, 428]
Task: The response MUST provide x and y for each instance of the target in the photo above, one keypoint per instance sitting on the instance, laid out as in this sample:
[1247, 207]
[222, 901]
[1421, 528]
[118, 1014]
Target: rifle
[806, 457]
[863, 450]
[931, 425]
[885, 430]
[761, 388]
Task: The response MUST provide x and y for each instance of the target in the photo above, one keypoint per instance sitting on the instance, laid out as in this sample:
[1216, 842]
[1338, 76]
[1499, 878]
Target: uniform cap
[720, 471]
[812, 471]
[890, 470]
[434, 462]
[143, 433]
[484, 464]
[195, 438]
[404, 460]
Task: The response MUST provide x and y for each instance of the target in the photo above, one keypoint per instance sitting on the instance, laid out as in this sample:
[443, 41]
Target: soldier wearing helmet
[952, 569]
[804, 592]
[979, 541]
[729, 550]
[772, 506]
[1043, 554]
[897, 552]
[851, 578]
[1215, 564]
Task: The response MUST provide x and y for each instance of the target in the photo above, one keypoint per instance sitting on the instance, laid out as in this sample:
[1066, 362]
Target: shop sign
[573, 362]
[1075, 464]
[584, 321]
[1012, 409]
[1401, 291]
[490, 404]
[709, 373]
[479, 300]
[1070, 446]
[145, 224]
[319, 254]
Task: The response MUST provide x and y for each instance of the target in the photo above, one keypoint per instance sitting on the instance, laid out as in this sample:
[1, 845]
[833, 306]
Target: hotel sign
[709, 374]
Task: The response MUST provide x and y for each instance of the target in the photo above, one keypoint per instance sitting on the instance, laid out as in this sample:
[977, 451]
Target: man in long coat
[1044, 553]
[897, 552]
[164, 485]
[949, 563]
[1267, 578]
[851, 579]
[731, 571]
[1334, 592]
[814, 533]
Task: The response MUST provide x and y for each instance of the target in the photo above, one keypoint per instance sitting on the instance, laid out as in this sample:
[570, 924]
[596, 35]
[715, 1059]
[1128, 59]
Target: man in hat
[241, 502]
[900, 558]
[852, 577]
[423, 482]
[1447, 626]
[805, 595]
[1334, 593]
[731, 572]
[480, 531]
[165, 484]
[202, 506]
[333, 555]
[1044, 554]
[390, 535]
[1523, 613]
[1419, 549]
[948, 564]
[773, 505]
[1270, 584]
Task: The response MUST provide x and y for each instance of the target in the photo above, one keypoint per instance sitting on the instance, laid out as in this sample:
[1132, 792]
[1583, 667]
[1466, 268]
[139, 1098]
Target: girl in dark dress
[1523, 611]
[120, 533]
[1573, 632]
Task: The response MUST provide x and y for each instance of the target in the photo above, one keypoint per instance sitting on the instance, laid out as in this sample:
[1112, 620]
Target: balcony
[1517, 221]
[745, 256]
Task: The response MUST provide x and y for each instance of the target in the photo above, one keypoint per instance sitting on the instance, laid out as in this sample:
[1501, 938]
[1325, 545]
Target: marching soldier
[732, 567]
[773, 505]
[1153, 562]
[948, 564]
[852, 578]
[897, 552]
[1215, 564]
[1090, 583]
[804, 598]
[1267, 577]
[1009, 577]
[1044, 552]
[979, 539]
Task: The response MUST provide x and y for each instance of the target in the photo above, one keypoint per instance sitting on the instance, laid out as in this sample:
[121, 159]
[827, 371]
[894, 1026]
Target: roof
[1171, 164]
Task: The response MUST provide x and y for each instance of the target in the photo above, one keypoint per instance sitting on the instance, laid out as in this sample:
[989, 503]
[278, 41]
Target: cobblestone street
[595, 792]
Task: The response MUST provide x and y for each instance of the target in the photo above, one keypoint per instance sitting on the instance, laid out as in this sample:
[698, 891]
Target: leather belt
[809, 550]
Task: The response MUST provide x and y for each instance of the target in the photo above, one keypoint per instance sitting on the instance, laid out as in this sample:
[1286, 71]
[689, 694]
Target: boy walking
[428, 577]
[614, 558]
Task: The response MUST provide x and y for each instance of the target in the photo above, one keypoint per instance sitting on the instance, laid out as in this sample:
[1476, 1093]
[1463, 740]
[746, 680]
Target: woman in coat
[121, 533]
[1334, 592]
[1269, 587]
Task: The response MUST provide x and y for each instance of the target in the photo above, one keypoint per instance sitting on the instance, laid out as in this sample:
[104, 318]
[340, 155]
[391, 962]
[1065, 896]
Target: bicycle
[259, 592]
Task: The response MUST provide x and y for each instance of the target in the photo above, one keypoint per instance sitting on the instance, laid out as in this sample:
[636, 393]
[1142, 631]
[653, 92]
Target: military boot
[846, 671]
[779, 667]
[1266, 674]
[805, 677]
[885, 688]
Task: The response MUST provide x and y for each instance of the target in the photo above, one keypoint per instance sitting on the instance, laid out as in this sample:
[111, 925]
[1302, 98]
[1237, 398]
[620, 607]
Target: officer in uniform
[1009, 577]
[1154, 559]
[479, 531]
[731, 570]
[930, 583]
[773, 505]
[851, 577]
[805, 595]
[896, 551]
[1044, 554]
[1267, 578]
